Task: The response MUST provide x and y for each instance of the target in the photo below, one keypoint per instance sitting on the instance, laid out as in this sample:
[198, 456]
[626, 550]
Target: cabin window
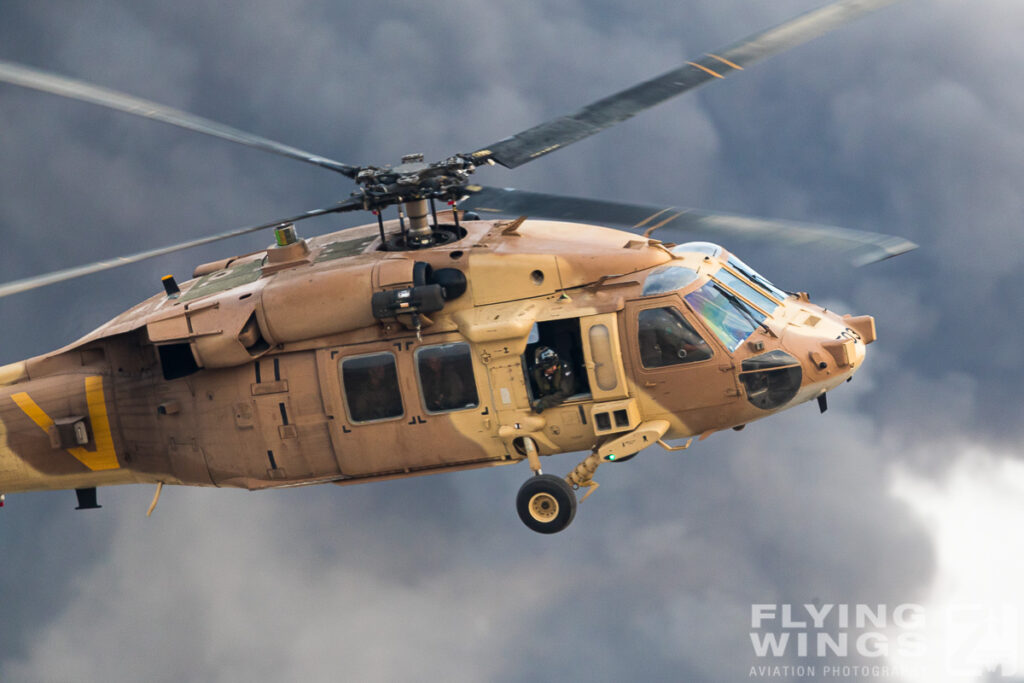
[446, 377]
[371, 387]
[665, 338]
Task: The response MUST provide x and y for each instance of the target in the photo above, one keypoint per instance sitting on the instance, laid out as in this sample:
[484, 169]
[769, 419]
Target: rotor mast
[421, 234]
[412, 186]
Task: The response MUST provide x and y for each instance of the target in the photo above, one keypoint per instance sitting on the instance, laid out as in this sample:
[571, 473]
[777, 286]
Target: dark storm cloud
[899, 123]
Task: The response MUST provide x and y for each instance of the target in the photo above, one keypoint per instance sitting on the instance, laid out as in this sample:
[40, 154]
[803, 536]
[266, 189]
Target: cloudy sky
[909, 491]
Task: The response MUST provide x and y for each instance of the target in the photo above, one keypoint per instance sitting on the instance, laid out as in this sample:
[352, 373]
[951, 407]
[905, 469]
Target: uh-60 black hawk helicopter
[438, 340]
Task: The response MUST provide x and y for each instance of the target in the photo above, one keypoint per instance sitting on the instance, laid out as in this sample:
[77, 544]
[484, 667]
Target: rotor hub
[413, 180]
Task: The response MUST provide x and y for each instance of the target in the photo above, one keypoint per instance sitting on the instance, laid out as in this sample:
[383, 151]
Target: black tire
[546, 503]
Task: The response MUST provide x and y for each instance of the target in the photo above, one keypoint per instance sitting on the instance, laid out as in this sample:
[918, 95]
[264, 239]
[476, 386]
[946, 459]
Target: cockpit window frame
[673, 300]
[739, 295]
[675, 314]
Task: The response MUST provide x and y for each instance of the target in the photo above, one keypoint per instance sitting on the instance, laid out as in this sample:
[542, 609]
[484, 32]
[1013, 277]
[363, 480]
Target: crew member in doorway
[553, 378]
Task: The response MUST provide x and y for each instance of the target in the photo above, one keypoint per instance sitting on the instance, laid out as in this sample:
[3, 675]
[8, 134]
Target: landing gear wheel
[546, 503]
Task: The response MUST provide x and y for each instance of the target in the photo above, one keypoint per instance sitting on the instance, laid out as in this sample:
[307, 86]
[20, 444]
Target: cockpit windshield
[729, 318]
[755, 277]
[741, 287]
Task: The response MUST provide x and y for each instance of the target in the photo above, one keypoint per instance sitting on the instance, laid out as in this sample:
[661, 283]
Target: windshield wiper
[743, 308]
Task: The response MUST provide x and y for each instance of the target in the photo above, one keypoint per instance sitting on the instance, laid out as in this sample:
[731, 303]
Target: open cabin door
[603, 357]
[601, 404]
[613, 410]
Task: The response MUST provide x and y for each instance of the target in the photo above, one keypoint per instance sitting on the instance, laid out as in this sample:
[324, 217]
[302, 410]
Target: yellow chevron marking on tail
[104, 457]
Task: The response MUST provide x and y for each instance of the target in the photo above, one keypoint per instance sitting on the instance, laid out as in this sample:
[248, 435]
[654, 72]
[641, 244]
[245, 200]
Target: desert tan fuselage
[240, 380]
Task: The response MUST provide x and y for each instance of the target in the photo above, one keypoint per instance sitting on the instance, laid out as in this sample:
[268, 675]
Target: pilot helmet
[546, 357]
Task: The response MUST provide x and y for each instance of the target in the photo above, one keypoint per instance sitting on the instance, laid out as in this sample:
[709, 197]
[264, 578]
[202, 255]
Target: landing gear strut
[583, 476]
[547, 504]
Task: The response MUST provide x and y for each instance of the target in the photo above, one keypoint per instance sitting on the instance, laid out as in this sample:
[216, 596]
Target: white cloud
[975, 610]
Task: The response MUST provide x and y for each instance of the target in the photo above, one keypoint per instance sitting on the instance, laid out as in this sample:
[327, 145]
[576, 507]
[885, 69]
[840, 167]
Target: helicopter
[502, 326]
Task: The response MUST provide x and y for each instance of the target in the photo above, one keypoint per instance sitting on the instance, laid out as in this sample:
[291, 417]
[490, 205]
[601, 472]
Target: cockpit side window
[665, 338]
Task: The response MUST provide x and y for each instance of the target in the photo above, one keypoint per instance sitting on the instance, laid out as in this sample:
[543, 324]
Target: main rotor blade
[37, 79]
[26, 284]
[674, 224]
[593, 118]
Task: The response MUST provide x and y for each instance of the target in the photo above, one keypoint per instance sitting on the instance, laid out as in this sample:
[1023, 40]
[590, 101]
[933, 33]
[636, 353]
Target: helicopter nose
[862, 327]
[845, 353]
